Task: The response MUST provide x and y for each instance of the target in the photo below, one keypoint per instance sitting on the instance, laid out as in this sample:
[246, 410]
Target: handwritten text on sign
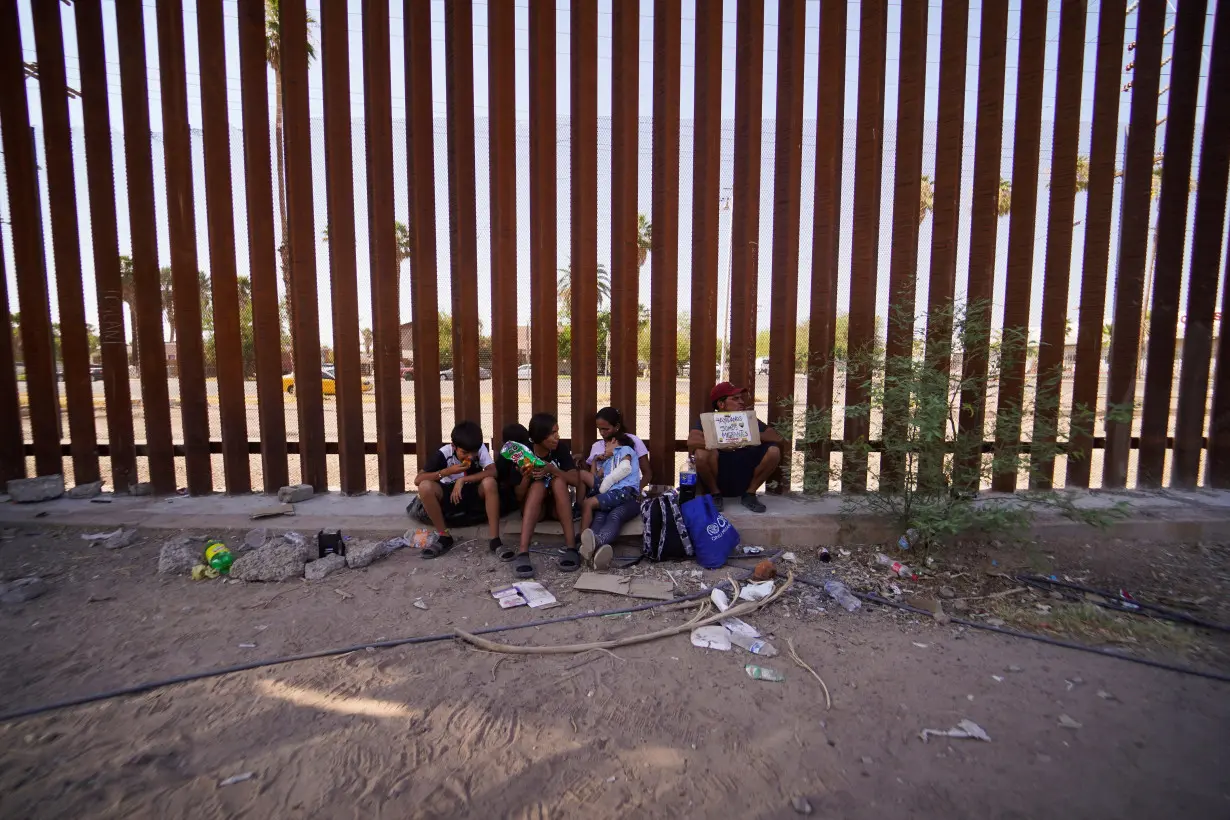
[731, 428]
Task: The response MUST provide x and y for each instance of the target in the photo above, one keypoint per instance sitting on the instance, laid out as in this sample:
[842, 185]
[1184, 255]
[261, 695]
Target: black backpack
[665, 536]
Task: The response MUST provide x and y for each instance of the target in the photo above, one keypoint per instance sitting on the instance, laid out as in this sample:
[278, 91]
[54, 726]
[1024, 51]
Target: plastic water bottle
[839, 593]
[687, 481]
[218, 556]
[763, 673]
[757, 646]
[896, 567]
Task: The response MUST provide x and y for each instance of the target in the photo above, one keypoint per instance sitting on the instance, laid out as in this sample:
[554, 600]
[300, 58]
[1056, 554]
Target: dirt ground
[658, 730]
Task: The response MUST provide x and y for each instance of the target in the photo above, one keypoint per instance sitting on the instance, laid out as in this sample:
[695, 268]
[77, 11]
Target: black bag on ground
[453, 518]
[665, 536]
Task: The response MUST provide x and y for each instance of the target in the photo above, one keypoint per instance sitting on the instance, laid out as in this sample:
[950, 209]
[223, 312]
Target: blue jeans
[608, 523]
[617, 497]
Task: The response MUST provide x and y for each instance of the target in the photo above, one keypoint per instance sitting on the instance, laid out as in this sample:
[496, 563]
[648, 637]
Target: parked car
[407, 373]
[762, 365]
[523, 372]
[96, 373]
[447, 375]
[328, 383]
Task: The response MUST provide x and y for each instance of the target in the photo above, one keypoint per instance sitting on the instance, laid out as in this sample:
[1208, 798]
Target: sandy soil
[663, 730]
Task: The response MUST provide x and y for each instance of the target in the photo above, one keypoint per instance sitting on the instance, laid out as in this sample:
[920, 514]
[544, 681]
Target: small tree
[929, 467]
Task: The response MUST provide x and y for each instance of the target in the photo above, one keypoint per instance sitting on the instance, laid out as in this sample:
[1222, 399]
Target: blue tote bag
[713, 537]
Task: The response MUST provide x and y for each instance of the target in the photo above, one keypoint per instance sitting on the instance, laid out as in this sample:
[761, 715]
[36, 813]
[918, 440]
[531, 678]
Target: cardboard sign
[730, 431]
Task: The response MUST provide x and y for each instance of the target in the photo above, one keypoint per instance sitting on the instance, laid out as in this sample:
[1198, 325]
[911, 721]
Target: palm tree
[401, 239]
[168, 300]
[128, 295]
[564, 286]
[273, 54]
[644, 239]
[926, 198]
[369, 339]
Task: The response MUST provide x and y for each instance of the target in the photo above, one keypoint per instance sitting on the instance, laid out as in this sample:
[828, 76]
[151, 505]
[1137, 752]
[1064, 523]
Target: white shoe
[588, 545]
[603, 557]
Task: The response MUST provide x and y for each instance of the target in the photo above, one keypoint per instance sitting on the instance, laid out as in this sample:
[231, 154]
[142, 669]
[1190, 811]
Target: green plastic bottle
[218, 556]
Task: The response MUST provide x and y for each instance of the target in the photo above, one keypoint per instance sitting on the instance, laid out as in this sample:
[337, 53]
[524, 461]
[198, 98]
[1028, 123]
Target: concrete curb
[1171, 515]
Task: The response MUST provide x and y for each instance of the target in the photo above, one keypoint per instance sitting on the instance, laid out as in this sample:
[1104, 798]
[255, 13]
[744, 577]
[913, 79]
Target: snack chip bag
[520, 455]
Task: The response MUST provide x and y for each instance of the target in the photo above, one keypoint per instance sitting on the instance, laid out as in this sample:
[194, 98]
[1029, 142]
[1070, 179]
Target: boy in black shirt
[459, 479]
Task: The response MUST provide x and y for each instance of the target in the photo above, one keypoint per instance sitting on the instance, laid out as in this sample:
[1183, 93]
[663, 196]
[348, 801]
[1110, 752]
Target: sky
[728, 9]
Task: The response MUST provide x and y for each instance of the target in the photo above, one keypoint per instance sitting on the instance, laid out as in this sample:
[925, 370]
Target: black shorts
[735, 468]
[472, 508]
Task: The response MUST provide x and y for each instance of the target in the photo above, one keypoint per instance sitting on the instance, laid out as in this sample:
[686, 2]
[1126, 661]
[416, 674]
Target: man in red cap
[738, 472]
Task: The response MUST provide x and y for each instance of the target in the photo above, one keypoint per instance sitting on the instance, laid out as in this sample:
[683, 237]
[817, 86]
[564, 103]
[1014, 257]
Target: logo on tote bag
[718, 527]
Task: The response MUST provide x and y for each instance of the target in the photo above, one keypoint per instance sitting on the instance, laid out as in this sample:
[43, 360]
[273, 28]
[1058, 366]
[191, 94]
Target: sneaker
[603, 557]
[718, 501]
[588, 545]
[752, 503]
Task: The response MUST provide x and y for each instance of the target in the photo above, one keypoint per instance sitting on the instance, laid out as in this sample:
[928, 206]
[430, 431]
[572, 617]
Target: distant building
[407, 341]
[523, 343]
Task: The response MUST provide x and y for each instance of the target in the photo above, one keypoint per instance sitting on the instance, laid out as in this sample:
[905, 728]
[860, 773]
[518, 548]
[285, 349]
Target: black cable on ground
[1116, 603]
[876, 599]
[149, 686]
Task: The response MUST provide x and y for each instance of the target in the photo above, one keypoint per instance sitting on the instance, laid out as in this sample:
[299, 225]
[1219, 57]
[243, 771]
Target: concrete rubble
[296, 493]
[320, 568]
[362, 553]
[278, 561]
[22, 590]
[179, 556]
[32, 490]
[90, 490]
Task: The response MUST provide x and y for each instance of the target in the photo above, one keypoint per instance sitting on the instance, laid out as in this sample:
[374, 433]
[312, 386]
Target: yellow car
[328, 384]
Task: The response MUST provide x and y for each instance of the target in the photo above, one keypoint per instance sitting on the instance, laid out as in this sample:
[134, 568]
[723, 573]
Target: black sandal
[504, 552]
[436, 548]
[523, 567]
[569, 560]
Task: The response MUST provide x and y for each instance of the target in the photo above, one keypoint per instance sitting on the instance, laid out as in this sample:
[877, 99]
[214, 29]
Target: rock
[144, 488]
[801, 805]
[948, 593]
[31, 490]
[120, 539]
[276, 562]
[297, 542]
[317, 570]
[960, 606]
[296, 493]
[178, 556]
[22, 590]
[255, 538]
[362, 553]
[90, 490]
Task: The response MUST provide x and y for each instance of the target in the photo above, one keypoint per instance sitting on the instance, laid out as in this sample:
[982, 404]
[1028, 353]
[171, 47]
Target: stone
[31, 490]
[120, 539]
[275, 562]
[296, 493]
[296, 541]
[255, 538]
[178, 556]
[22, 590]
[90, 490]
[948, 593]
[144, 488]
[362, 553]
[960, 606]
[320, 568]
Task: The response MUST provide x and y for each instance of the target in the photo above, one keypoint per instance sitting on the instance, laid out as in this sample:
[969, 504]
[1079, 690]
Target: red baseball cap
[724, 390]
